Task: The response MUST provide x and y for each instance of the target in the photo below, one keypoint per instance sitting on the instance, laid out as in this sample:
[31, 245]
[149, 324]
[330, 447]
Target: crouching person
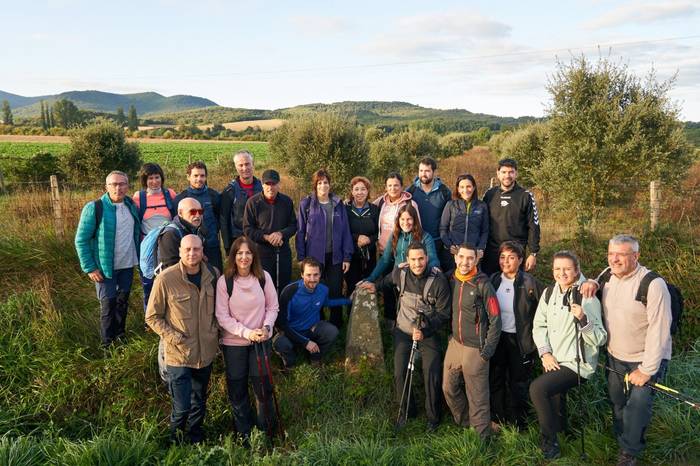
[299, 319]
[181, 311]
[476, 327]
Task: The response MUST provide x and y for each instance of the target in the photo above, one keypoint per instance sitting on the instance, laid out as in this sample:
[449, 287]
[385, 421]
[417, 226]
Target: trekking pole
[578, 299]
[274, 394]
[668, 391]
[263, 395]
[277, 270]
[408, 381]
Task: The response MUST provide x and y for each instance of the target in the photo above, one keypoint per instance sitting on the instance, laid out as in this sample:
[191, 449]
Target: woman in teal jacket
[560, 311]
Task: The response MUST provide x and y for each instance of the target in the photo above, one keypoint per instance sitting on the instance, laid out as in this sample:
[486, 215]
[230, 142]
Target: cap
[270, 176]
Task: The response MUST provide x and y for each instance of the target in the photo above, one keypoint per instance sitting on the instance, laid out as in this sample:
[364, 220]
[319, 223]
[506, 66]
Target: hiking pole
[277, 270]
[408, 381]
[272, 388]
[578, 299]
[263, 395]
[668, 391]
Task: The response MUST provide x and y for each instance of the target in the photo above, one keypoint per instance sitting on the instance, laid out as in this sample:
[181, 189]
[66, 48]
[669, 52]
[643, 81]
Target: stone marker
[364, 338]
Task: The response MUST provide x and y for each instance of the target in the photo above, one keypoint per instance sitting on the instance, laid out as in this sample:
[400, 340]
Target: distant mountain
[98, 101]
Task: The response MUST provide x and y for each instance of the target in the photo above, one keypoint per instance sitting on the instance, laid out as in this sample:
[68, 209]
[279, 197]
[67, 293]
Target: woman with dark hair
[465, 219]
[363, 218]
[566, 326]
[246, 310]
[156, 206]
[323, 232]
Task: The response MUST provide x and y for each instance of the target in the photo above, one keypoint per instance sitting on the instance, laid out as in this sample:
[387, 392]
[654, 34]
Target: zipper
[459, 321]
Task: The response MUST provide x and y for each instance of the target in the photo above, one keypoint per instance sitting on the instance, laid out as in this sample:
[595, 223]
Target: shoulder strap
[428, 284]
[643, 289]
[142, 203]
[98, 215]
[262, 280]
[402, 280]
[548, 293]
[169, 202]
[229, 286]
[213, 274]
[381, 203]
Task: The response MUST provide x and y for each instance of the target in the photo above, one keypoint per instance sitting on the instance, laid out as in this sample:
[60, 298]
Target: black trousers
[431, 363]
[333, 278]
[447, 261]
[269, 260]
[509, 381]
[359, 269]
[548, 395]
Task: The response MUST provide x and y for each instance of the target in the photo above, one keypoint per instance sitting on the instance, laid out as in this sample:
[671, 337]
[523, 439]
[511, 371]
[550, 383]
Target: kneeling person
[299, 320]
[476, 328]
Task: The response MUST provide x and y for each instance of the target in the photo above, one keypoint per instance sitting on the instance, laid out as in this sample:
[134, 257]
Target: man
[510, 370]
[513, 216]
[639, 341]
[181, 311]
[431, 195]
[424, 309]
[270, 221]
[106, 241]
[188, 221]
[210, 200]
[235, 196]
[299, 320]
[476, 327]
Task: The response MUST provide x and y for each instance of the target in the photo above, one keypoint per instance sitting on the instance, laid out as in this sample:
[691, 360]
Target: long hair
[460, 178]
[231, 269]
[416, 231]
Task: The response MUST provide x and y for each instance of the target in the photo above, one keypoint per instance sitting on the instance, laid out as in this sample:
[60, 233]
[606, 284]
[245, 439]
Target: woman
[363, 218]
[562, 316]
[465, 219]
[406, 230]
[323, 233]
[389, 204]
[246, 315]
[156, 206]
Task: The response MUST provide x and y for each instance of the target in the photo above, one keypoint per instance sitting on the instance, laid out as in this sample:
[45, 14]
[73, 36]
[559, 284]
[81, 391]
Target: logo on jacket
[504, 203]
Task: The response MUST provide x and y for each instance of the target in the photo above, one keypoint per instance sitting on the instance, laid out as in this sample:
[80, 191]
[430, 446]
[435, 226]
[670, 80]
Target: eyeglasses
[196, 211]
[117, 185]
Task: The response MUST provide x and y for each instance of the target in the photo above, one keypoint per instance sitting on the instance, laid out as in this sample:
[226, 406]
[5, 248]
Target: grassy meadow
[65, 402]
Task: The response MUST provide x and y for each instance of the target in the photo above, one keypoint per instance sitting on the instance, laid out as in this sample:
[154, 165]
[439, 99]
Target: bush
[402, 151]
[526, 145]
[456, 143]
[98, 149]
[37, 168]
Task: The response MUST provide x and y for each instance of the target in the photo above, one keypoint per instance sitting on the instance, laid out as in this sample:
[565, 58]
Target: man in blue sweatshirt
[299, 321]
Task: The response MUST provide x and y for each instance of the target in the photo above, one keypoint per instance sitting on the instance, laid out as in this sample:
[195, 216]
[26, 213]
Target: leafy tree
[133, 121]
[120, 118]
[66, 114]
[6, 113]
[456, 143]
[526, 145]
[98, 149]
[305, 144]
[44, 123]
[38, 168]
[402, 151]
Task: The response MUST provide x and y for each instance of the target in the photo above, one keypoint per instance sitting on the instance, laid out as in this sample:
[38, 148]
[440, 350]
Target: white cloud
[320, 25]
[643, 13]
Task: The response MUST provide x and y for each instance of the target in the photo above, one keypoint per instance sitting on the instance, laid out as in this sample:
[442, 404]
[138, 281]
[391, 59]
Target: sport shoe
[626, 459]
[550, 448]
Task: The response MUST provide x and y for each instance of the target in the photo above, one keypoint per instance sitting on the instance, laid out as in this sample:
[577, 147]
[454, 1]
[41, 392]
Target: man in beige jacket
[181, 311]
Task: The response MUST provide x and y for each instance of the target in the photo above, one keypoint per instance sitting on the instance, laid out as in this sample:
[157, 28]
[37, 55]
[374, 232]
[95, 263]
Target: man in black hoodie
[513, 216]
[188, 221]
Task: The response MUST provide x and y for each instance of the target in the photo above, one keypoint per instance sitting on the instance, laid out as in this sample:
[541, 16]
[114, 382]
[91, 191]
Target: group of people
[437, 255]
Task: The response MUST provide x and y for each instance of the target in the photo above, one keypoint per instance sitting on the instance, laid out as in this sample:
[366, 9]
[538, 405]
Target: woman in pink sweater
[246, 309]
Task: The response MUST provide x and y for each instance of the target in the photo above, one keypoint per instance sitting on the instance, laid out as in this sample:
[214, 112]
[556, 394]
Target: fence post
[492, 182]
[654, 203]
[56, 203]
[2, 184]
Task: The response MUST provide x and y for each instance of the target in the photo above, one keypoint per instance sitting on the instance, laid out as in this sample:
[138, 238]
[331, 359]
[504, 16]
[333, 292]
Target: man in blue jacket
[299, 320]
[210, 201]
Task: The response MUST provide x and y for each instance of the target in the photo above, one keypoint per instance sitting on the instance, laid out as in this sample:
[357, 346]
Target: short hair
[231, 269]
[198, 164]
[360, 179]
[468, 247]
[318, 176]
[566, 254]
[392, 175]
[416, 245]
[625, 239]
[428, 161]
[117, 172]
[460, 178]
[149, 169]
[310, 262]
[512, 246]
[245, 152]
[512, 163]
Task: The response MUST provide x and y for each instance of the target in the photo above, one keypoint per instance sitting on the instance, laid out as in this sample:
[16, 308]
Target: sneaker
[626, 459]
[550, 448]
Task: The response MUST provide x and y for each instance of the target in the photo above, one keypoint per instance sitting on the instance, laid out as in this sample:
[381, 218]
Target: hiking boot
[626, 459]
[550, 448]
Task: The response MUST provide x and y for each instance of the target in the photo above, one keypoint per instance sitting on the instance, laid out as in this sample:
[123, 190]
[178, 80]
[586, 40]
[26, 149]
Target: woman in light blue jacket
[562, 316]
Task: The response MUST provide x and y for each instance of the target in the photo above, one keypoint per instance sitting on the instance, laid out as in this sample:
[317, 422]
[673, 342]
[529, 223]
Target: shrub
[402, 151]
[456, 143]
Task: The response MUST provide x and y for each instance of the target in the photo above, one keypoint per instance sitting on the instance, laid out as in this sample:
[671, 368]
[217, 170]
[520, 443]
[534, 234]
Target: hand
[96, 276]
[417, 335]
[549, 362]
[275, 239]
[479, 254]
[577, 311]
[402, 265]
[530, 263]
[588, 288]
[369, 286]
[312, 347]
[638, 378]
[346, 267]
[362, 240]
[454, 250]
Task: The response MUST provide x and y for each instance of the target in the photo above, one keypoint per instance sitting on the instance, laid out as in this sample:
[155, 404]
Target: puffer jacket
[459, 226]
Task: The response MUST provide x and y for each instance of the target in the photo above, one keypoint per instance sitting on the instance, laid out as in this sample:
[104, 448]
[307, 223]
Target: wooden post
[654, 203]
[56, 203]
[2, 184]
[492, 182]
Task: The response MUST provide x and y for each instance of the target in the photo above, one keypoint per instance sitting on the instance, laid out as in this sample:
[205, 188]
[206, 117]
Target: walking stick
[408, 381]
[274, 393]
[277, 270]
[578, 299]
[263, 395]
[668, 391]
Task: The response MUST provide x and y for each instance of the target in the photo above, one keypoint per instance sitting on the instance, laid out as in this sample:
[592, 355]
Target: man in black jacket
[513, 217]
[188, 221]
[234, 197]
[270, 221]
[424, 295]
[510, 369]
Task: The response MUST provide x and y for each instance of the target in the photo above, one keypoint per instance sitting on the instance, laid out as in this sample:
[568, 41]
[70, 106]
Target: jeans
[323, 334]
[188, 389]
[147, 284]
[113, 294]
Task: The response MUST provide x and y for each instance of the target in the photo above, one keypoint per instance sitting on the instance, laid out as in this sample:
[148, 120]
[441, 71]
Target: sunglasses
[196, 211]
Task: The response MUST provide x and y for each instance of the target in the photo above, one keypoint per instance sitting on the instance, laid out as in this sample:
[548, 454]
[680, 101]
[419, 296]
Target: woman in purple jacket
[323, 232]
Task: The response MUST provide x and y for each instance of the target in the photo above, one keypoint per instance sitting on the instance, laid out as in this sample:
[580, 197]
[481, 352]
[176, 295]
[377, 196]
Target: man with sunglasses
[188, 221]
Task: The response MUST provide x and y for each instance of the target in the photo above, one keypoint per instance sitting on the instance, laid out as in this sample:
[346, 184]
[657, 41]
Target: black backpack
[673, 290]
[229, 284]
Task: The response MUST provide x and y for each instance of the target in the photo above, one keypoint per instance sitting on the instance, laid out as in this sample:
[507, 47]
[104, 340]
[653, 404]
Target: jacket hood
[437, 182]
[404, 197]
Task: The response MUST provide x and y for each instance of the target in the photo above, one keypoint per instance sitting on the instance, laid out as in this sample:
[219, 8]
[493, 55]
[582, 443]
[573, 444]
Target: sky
[483, 56]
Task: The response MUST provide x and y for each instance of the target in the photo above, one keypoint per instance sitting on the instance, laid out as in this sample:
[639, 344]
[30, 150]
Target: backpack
[643, 290]
[426, 287]
[148, 263]
[229, 284]
[168, 203]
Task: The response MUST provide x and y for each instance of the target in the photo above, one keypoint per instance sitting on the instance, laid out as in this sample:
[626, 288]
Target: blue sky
[490, 57]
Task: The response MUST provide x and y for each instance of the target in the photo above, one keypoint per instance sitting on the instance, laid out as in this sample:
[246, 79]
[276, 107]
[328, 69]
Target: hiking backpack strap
[548, 293]
[143, 204]
[229, 284]
[602, 279]
[168, 203]
[402, 280]
[643, 289]
[428, 284]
